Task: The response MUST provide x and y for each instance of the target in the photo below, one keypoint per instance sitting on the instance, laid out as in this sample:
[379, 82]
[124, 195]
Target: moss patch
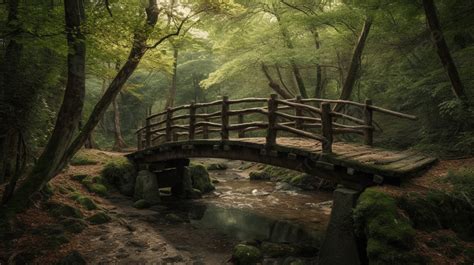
[63, 210]
[96, 185]
[141, 204]
[116, 168]
[82, 159]
[99, 218]
[246, 255]
[390, 237]
[85, 201]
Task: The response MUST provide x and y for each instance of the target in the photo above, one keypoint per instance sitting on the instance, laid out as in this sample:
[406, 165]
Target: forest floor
[140, 236]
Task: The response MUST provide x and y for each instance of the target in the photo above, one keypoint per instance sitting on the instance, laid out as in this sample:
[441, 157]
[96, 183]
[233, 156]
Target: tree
[354, 67]
[70, 112]
[443, 50]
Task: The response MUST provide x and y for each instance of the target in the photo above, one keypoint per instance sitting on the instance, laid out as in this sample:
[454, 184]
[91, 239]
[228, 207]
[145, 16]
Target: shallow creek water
[205, 231]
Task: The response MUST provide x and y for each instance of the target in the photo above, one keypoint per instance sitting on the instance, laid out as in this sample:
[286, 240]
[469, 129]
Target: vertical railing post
[242, 131]
[192, 121]
[368, 116]
[272, 120]
[148, 133]
[169, 131]
[326, 123]
[205, 130]
[299, 113]
[225, 118]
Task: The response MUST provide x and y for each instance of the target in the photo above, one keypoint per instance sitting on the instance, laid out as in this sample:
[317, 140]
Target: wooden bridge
[298, 134]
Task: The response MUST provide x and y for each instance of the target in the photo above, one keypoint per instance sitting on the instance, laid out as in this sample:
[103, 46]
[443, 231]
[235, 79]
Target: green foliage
[390, 237]
[440, 210]
[463, 181]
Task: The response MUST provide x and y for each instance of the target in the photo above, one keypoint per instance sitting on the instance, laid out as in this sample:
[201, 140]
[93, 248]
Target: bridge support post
[368, 133]
[340, 245]
[272, 121]
[225, 118]
[326, 123]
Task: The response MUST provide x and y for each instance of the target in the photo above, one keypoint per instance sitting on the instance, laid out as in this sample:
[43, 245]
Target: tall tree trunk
[69, 114]
[11, 83]
[174, 79]
[119, 143]
[354, 67]
[443, 50]
[273, 85]
[294, 67]
[319, 76]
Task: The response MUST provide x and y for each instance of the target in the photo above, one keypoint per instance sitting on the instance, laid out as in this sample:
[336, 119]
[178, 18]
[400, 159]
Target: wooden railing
[301, 117]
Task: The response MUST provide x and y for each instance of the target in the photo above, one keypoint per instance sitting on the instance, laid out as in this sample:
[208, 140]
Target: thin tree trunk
[174, 79]
[119, 144]
[273, 85]
[294, 67]
[70, 111]
[354, 67]
[319, 80]
[12, 83]
[139, 48]
[443, 50]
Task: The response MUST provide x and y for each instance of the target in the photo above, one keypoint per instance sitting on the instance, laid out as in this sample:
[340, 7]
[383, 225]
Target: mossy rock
[217, 166]
[390, 236]
[174, 218]
[141, 204]
[194, 194]
[120, 173]
[200, 178]
[87, 203]
[74, 225]
[64, 210]
[99, 218]
[246, 255]
[278, 250]
[95, 184]
[55, 241]
[259, 175]
[79, 177]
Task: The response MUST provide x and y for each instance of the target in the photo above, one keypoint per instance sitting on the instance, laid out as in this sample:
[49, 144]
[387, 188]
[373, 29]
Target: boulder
[120, 173]
[146, 187]
[246, 255]
[200, 178]
[259, 175]
[64, 210]
[141, 204]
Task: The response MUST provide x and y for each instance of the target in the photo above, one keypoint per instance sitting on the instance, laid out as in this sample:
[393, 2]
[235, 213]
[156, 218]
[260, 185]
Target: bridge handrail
[300, 122]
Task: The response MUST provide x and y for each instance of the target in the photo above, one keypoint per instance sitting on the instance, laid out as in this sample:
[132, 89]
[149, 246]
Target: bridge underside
[350, 163]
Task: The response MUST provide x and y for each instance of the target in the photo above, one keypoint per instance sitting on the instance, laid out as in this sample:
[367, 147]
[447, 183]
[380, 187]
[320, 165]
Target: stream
[205, 231]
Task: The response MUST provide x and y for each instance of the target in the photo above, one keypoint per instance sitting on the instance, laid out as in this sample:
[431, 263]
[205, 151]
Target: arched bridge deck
[314, 150]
